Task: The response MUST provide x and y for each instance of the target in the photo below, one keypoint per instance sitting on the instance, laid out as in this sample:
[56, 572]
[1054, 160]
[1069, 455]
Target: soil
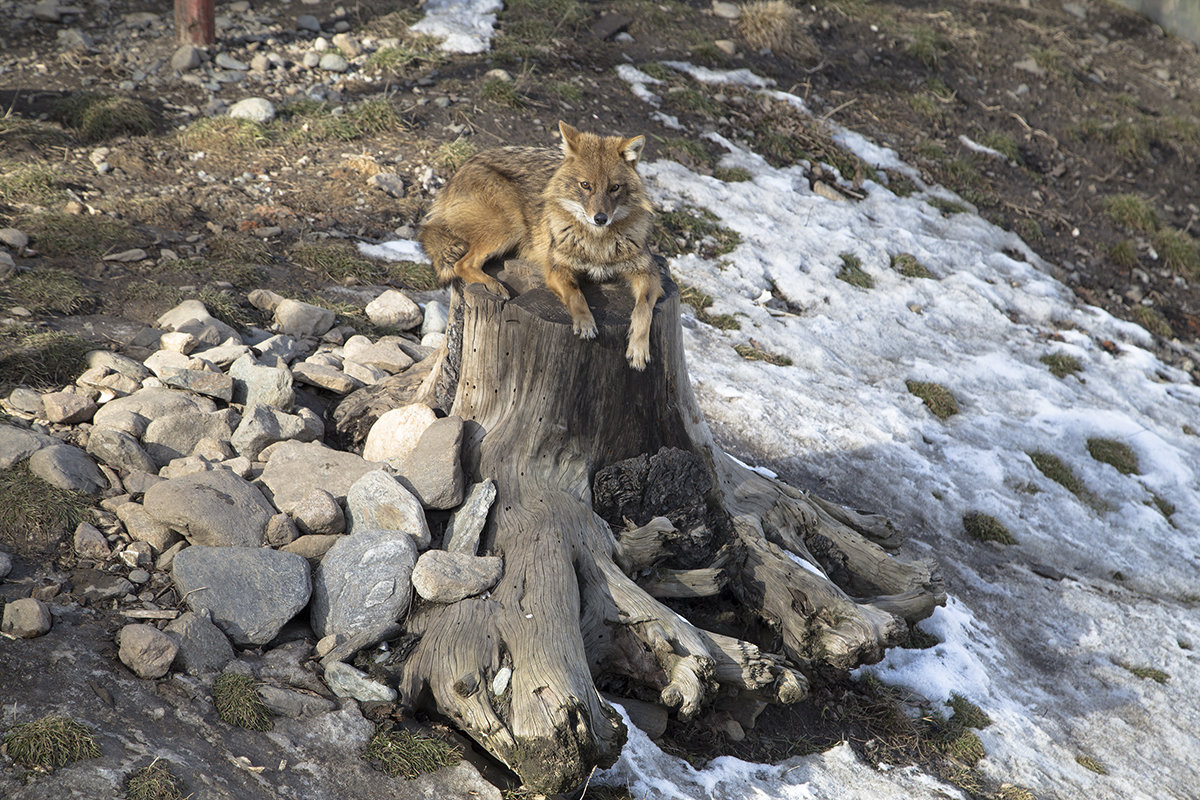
[1083, 101]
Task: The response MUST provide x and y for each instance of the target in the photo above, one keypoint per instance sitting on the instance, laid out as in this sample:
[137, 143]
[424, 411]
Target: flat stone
[217, 385]
[211, 508]
[389, 182]
[96, 587]
[250, 593]
[126, 256]
[151, 404]
[164, 363]
[264, 299]
[433, 471]
[296, 468]
[119, 450]
[68, 408]
[25, 618]
[90, 542]
[192, 316]
[280, 347]
[293, 704]
[223, 356]
[18, 444]
[11, 237]
[387, 356]
[346, 681]
[397, 431]
[262, 426]
[394, 309]
[377, 501]
[147, 651]
[226, 61]
[332, 62]
[466, 524]
[307, 22]
[255, 384]
[362, 585]
[115, 362]
[186, 57]
[68, 467]
[25, 401]
[443, 577]
[203, 648]
[325, 377]
[300, 319]
[363, 373]
[312, 546]
[176, 434]
[320, 513]
[142, 526]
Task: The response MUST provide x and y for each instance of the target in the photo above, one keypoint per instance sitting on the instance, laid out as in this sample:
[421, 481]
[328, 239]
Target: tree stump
[195, 22]
[580, 604]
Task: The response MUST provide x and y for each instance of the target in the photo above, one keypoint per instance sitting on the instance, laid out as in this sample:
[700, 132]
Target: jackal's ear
[570, 137]
[631, 149]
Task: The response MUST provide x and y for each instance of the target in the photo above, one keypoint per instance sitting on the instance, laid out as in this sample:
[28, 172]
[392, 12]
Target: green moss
[754, 352]
[49, 743]
[1004, 144]
[732, 174]
[407, 754]
[154, 782]
[937, 398]
[1117, 454]
[1149, 673]
[1132, 212]
[901, 187]
[1178, 251]
[1092, 764]
[237, 701]
[96, 117]
[1061, 365]
[853, 273]
[986, 528]
[49, 290]
[44, 360]
[691, 229]
[1030, 230]
[908, 266]
[700, 303]
[1056, 470]
[1124, 254]
[686, 151]
[659, 71]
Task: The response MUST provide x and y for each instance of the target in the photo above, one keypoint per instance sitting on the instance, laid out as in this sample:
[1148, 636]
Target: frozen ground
[1048, 658]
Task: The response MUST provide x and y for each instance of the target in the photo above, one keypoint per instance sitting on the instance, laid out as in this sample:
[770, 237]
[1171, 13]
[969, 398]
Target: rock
[143, 527]
[288, 703]
[466, 524]
[320, 513]
[137, 483]
[332, 62]
[295, 469]
[150, 404]
[137, 554]
[6, 564]
[727, 46]
[436, 317]
[167, 559]
[191, 316]
[725, 10]
[362, 585]
[217, 450]
[313, 546]
[280, 347]
[226, 61]
[394, 309]
[25, 401]
[264, 299]
[68, 467]
[391, 183]
[433, 471]
[325, 377]
[217, 385]
[96, 587]
[1030, 65]
[90, 542]
[363, 373]
[139, 576]
[128, 256]
[255, 109]
[164, 363]
[115, 362]
[397, 432]
[281, 531]
[222, 356]
[433, 341]
[303, 319]
[214, 508]
[119, 450]
[186, 57]
[146, 650]
[11, 237]
[68, 408]
[202, 646]
[254, 384]
[442, 577]
[377, 501]
[7, 268]
[175, 435]
[387, 356]
[262, 426]
[249, 592]
[345, 681]
[307, 22]
[25, 618]
[347, 44]
[18, 444]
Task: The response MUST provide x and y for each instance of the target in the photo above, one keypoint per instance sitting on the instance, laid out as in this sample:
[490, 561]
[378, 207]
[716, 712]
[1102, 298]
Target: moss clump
[937, 398]
[49, 743]
[55, 234]
[1152, 320]
[1178, 251]
[37, 515]
[853, 273]
[947, 207]
[407, 754]
[238, 703]
[502, 92]
[693, 230]
[1117, 454]
[754, 352]
[1092, 764]
[928, 46]
[700, 303]
[986, 528]
[967, 714]
[732, 174]
[908, 266]
[1124, 254]
[452, 155]
[154, 782]
[27, 183]
[96, 117]
[1061, 365]
[49, 290]
[1131, 212]
[1148, 673]
[1056, 470]
[41, 360]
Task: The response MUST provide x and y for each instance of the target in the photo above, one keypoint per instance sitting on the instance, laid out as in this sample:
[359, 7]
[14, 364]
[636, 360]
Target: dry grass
[778, 26]
[755, 352]
[407, 754]
[97, 117]
[34, 184]
[154, 782]
[853, 273]
[41, 360]
[1061, 365]
[1114, 453]
[908, 266]
[937, 398]
[49, 743]
[986, 528]
[238, 703]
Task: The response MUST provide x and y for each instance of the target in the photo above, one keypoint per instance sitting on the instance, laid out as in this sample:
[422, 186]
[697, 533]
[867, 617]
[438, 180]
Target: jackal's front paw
[638, 355]
[585, 327]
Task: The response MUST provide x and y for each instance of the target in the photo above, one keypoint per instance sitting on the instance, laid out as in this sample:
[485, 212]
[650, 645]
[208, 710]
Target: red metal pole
[195, 22]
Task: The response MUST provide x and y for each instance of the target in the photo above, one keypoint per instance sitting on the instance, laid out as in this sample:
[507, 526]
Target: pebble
[147, 651]
[389, 182]
[255, 109]
[186, 57]
[332, 62]
[307, 22]
[14, 238]
[226, 61]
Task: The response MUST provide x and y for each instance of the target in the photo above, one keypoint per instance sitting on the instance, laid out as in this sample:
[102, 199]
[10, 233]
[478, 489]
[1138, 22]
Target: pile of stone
[208, 462]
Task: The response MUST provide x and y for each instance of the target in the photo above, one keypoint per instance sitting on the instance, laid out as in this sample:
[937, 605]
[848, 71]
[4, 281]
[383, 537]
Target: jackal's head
[597, 183]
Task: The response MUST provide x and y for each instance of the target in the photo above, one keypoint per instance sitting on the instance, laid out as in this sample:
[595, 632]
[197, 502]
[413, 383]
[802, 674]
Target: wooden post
[195, 22]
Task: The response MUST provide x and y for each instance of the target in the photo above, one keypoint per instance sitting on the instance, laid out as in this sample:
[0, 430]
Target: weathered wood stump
[577, 604]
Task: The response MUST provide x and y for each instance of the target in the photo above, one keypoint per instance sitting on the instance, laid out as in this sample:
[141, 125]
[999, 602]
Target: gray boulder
[68, 467]
[146, 650]
[119, 450]
[377, 501]
[249, 592]
[67, 408]
[142, 526]
[363, 583]
[191, 316]
[151, 404]
[293, 704]
[264, 425]
[301, 319]
[255, 384]
[90, 542]
[466, 524]
[313, 546]
[118, 363]
[442, 577]
[433, 471]
[320, 513]
[211, 384]
[202, 646]
[215, 508]
[296, 468]
[25, 618]
[175, 435]
[18, 444]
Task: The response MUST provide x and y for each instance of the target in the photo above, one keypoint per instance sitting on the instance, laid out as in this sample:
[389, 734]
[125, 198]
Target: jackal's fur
[579, 212]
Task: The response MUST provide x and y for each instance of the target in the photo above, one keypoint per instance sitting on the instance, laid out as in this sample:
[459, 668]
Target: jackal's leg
[484, 245]
[562, 282]
[647, 288]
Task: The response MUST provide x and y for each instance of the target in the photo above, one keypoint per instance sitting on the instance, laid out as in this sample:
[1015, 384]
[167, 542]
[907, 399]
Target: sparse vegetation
[928, 46]
[1124, 254]
[501, 91]
[777, 26]
[1091, 764]
[937, 398]
[42, 360]
[908, 266]
[1164, 506]
[35, 184]
[732, 174]
[1061, 364]
[692, 229]
[755, 352]
[154, 782]
[1114, 453]
[1178, 251]
[50, 290]
[1132, 212]
[339, 260]
[452, 155]
[853, 273]
[223, 137]
[49, 743]
[57, 234]
[237, 701]
[986, 528]
[1056, 470]
[403, 753]
[1148, 673]
[700, 303]
[37, 513]
[1152, 320]
[945, 206]
[97, 117]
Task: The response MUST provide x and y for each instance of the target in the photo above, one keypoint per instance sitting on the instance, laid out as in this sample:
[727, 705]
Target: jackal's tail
[443, 247]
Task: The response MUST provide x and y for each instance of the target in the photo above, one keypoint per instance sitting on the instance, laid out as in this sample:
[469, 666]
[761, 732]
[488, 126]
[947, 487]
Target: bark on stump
[195, 22]
[518, 669]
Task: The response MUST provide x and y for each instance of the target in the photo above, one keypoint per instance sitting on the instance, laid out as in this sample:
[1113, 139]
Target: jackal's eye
[587, 187]
[616, 187]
